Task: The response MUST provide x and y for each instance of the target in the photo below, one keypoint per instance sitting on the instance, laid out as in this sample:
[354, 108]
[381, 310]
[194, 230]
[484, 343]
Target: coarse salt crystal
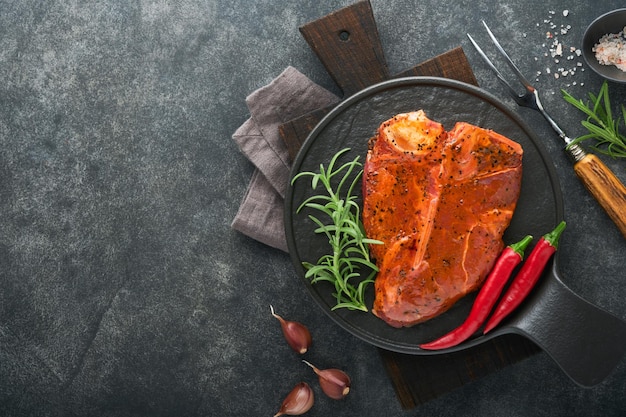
[565, 13]
[611, 50]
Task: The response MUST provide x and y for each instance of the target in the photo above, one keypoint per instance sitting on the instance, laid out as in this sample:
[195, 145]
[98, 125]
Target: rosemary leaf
[600, 123]
[344, 230]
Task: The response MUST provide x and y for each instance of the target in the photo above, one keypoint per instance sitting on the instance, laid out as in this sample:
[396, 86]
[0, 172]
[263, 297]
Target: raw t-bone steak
[440, 201]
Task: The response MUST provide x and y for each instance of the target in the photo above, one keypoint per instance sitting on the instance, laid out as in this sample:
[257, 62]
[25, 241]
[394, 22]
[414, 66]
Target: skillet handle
[585, 341]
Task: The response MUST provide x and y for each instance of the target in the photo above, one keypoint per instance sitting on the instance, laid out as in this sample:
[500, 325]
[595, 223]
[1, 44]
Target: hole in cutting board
[344, 35]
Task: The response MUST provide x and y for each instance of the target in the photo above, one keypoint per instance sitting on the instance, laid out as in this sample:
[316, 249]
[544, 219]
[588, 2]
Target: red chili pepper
[527, 277]
[510, 257]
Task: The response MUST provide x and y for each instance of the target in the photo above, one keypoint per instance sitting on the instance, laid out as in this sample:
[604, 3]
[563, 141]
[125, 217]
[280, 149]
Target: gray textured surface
[124, 292]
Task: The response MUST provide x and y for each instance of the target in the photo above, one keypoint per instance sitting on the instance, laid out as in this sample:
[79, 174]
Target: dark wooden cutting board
[348, 45]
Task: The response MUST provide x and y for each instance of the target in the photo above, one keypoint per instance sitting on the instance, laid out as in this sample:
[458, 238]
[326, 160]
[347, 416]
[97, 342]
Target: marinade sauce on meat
[440, 201]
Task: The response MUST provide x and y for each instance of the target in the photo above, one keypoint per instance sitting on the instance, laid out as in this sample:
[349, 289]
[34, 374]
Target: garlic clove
[335, 383]
[298, 401]
[296, 334]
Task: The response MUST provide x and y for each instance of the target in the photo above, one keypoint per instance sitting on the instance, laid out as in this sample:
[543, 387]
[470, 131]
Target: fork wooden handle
[605, 187]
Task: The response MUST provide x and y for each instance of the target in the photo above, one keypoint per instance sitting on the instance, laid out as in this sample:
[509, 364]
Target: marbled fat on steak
[440, 201]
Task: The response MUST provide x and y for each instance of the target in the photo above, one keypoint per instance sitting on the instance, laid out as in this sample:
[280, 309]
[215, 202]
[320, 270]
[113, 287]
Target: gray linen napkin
[287, 97]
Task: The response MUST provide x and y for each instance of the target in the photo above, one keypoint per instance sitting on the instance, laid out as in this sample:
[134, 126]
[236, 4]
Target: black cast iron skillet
[585, 341]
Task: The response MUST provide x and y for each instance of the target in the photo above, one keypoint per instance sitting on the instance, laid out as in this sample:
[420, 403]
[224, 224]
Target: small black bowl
[611, 22]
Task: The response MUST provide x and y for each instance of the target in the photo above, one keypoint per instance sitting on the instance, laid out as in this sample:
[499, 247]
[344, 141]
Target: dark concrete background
[123, 289]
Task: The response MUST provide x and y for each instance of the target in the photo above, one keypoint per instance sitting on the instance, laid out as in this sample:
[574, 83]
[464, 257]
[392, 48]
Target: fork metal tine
[519, 74]
[530, 98]
[484, 56]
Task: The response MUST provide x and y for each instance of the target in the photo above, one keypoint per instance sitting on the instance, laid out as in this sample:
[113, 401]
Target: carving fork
[599, 180]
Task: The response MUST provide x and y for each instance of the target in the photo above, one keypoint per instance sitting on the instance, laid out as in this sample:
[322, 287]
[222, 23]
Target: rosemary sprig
[600, 123]
[345, 233]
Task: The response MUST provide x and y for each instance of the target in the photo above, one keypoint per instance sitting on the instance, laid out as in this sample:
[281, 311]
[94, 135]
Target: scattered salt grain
[559, 50]
[564, 58]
